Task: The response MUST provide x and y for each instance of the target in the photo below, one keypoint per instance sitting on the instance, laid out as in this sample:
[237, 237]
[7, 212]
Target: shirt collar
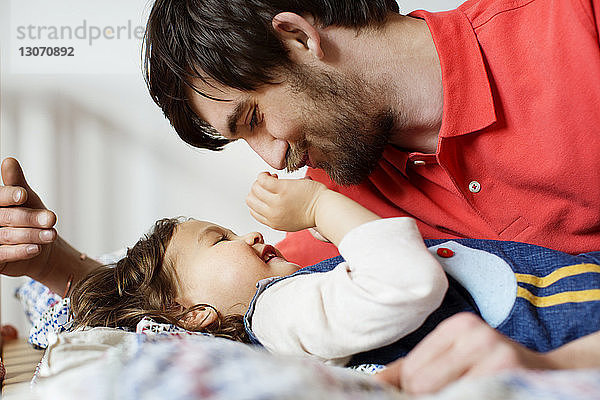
[468, 103]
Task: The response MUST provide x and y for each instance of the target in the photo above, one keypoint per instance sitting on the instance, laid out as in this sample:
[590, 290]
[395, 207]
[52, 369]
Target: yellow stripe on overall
[576, 296]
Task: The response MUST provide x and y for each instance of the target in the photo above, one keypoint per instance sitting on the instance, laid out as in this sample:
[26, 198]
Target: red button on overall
[445, 252]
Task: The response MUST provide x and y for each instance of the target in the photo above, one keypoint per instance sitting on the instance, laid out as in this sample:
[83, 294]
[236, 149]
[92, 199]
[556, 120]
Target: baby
[372, 306]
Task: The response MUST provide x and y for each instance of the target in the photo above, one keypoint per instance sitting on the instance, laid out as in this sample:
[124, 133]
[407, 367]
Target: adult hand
[26, 226]
[461, 346]
[284, 204]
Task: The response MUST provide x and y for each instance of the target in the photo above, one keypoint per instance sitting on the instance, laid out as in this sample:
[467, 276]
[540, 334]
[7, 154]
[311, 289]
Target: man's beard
[342, 121]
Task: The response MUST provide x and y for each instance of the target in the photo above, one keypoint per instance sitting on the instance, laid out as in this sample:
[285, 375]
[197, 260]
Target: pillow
[74, 349]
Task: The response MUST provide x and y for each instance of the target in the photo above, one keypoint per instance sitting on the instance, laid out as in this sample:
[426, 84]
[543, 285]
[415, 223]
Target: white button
[419, 162]
[474, 187]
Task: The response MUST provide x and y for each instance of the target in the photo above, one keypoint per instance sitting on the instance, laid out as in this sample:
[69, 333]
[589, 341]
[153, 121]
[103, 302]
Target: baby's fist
[284, 204]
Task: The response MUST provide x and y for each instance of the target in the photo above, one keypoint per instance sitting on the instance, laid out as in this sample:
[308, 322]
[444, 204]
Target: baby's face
[215, 266]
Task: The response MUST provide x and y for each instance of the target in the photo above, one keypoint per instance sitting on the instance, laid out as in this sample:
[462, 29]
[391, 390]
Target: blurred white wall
[95, 147]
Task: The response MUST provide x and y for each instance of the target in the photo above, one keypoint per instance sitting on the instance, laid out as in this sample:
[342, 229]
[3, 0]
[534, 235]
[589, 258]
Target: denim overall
[539, 297]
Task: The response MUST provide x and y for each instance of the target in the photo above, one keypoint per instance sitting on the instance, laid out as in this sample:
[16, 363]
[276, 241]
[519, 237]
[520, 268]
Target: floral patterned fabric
[198, 367]
[53, 321]
[149, 327]
[36, 299]
[57, 319]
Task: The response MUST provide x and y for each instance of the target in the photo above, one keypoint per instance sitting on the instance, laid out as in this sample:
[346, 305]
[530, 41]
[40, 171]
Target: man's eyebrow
[234, 117]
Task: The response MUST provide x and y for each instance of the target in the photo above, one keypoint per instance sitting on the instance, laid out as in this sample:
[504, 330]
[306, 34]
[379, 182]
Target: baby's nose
[253, 238]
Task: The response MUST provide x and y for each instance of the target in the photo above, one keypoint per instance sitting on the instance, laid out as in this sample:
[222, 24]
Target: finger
[507, 354]
[12, 196]
[26, 236]
[262, 194]
[271, 174]
[267, 182]
[433, 348]
[12, 175]
[493, 362]
[26, 217]
[448, 367]
[260, 218]
[469, 348]
[262, 175]
[392, 374]
[11, 253]
[440, 339]
[426, 351]
[257, 205]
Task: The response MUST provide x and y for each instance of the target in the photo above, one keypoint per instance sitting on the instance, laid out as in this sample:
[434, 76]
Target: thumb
[392, 374]
[12, 175]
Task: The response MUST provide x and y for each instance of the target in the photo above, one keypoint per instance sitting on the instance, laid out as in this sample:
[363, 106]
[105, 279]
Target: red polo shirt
[518, 156]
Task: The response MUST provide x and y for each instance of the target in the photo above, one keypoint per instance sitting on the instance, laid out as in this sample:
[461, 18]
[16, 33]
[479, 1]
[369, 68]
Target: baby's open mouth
[268, 253]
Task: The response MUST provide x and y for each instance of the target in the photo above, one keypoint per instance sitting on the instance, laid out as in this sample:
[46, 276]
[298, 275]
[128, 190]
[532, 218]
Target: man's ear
[298, 35]
[199, 318]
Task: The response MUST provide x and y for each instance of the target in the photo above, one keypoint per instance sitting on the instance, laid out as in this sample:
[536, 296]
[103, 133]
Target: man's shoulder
[481, 12]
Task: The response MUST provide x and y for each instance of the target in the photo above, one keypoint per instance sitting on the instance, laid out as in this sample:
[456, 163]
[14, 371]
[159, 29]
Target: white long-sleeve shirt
[386, 288]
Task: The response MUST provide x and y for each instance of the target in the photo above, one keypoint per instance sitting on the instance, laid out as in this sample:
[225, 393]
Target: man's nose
[253, 238]
[270, 149]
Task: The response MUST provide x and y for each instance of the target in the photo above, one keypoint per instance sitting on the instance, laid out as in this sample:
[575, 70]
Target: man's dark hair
[230, 42]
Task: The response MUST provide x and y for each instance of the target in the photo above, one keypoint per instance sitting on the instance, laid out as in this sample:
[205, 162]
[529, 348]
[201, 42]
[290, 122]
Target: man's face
[313, 118]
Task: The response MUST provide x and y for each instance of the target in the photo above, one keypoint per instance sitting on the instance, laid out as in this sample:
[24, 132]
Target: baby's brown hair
[143, 284]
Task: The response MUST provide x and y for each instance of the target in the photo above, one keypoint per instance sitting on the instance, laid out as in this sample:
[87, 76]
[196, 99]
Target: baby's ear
[199, 318]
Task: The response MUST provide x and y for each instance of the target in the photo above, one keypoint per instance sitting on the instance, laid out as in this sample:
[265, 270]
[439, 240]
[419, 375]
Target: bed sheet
[126, 365]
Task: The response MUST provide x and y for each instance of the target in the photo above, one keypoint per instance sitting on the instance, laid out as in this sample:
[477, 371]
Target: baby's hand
[284, 204]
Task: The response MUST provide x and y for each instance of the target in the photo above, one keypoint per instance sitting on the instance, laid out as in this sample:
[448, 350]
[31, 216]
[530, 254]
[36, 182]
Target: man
[480, 122]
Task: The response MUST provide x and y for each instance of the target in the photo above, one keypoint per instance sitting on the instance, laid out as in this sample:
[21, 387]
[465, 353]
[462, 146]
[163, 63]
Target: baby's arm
[387, 287]
[296, 204]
